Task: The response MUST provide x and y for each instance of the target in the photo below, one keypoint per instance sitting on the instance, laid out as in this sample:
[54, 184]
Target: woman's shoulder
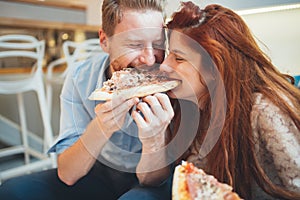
[266, 115]
[271, 125]
[261, 100]
[263, 106]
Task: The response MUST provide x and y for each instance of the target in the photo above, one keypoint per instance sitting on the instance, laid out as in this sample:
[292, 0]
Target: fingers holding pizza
[155, 110]
[159, 103]
[112, 113]
[153, 115]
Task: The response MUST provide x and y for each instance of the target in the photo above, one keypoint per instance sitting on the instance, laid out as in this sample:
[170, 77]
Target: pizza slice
[131, 82]
[192, 183]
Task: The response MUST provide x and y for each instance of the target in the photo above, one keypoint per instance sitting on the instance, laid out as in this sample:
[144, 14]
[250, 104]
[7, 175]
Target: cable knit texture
[277, 146]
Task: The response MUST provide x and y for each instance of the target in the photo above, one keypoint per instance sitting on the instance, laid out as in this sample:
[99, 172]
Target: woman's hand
[155, 115]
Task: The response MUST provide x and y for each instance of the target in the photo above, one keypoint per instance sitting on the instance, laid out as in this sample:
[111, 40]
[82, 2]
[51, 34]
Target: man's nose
[148, 56]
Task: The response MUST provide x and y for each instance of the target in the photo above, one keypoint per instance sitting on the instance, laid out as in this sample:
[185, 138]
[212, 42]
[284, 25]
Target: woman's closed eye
[177, 56]
[179, 59]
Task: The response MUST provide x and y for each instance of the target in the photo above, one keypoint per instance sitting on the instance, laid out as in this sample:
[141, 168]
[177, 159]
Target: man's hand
[111, 114]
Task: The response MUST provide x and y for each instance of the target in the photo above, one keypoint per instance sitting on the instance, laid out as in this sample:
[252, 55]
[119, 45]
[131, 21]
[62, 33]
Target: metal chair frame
[27, 46]
[81, 51]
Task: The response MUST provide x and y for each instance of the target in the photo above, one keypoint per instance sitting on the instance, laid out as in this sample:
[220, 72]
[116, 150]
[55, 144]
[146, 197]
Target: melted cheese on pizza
[202, 186]
[131, 77]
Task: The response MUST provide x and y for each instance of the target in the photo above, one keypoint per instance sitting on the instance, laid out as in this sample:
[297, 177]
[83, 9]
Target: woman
[258, 148]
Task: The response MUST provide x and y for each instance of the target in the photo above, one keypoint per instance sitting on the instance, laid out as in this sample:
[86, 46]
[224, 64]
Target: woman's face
[184, 63]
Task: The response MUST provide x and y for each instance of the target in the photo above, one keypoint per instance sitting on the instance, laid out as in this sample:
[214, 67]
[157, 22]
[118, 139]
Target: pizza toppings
[191, 183]
[203, 186]
[132, 77]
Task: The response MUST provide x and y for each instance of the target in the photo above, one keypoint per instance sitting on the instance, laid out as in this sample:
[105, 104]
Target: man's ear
[103, 40]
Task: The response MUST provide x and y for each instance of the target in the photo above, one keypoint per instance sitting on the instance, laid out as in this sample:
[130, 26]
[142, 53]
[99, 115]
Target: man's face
[138, 41]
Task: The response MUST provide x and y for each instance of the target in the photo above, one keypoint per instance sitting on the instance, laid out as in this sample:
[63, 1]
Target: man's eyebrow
[142, 40]
[132, 40]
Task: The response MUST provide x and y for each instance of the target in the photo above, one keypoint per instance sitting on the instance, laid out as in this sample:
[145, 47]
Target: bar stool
[17, 47]
[73, 53]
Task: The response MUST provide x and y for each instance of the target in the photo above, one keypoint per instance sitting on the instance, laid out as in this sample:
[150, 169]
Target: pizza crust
[139, 91]
[179, 186]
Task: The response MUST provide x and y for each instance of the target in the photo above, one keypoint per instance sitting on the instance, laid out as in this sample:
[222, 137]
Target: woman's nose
[148, 56]
[165, 67]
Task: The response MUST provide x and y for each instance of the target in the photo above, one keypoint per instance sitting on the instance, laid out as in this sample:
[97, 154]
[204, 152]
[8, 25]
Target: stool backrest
[81, 51]
[22, 46]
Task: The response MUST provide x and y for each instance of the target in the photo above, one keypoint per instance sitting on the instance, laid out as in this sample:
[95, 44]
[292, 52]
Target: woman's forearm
[153, 167]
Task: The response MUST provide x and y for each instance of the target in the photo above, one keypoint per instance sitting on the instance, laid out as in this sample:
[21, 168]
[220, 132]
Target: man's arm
[77, 160]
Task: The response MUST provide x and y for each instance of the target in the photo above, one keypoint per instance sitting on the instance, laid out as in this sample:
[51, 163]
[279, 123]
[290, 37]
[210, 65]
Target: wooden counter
[59, 4]
[26, 70]
[38, 24]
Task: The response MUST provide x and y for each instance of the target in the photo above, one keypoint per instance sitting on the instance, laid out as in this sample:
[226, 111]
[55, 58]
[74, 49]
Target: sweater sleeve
[281, 141]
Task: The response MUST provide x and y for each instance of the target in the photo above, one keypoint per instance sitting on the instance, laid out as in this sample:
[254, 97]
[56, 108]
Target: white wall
[232, 4]
[280, 32]
[93, 11]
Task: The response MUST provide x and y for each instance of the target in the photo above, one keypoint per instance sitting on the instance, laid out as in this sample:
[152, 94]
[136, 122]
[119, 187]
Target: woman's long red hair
[245, 69]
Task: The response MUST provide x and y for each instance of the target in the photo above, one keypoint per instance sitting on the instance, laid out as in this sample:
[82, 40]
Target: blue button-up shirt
[123, 150]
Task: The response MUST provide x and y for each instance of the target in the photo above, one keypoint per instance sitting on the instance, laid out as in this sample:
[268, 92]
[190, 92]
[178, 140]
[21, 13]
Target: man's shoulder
[91, 65]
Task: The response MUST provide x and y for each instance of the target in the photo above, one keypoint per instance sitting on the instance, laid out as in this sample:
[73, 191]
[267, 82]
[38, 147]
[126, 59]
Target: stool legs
[24, 132]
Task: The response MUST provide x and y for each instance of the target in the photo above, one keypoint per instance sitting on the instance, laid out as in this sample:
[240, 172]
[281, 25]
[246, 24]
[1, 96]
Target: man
[102, 152]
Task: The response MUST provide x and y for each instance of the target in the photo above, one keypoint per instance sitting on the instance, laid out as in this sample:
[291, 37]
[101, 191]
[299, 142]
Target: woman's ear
[103, 40]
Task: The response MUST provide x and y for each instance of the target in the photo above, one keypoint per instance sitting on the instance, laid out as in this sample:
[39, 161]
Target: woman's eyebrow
[177, 51]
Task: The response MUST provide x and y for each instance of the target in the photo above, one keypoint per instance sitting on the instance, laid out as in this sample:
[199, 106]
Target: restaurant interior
[63, 30]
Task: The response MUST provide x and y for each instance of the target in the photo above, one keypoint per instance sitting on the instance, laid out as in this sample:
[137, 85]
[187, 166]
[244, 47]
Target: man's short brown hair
[112, 11]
